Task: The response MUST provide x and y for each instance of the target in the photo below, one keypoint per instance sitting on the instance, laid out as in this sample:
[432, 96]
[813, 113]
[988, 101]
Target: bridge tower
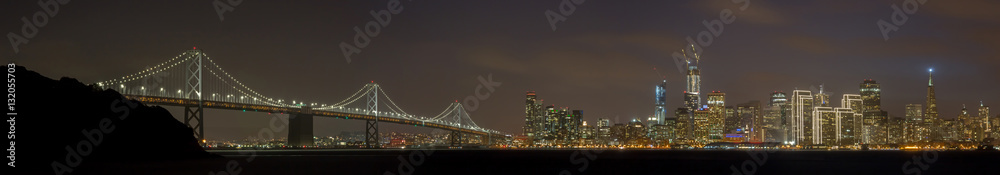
[456, 135]
[371, 126]
[194, 110]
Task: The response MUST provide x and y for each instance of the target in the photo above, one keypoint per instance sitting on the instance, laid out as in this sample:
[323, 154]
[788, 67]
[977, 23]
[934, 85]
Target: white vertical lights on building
[802, 117]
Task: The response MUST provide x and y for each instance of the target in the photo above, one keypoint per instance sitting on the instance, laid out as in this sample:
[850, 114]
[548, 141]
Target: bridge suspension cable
[224, 87]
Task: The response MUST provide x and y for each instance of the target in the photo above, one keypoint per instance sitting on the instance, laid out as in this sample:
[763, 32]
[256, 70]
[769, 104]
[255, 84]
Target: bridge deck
[167, 101]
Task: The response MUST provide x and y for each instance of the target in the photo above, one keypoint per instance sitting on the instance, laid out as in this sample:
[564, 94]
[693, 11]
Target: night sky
[600, 59]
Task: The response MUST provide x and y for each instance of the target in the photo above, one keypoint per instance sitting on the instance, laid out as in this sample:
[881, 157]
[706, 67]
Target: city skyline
[746, 62]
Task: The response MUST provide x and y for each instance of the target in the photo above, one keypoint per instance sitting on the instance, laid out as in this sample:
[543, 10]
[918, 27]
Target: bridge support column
[371, 134]
[197, 114]
[300, 128]
[456, 138]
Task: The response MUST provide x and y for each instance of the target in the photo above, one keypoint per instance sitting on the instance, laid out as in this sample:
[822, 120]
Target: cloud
[593, 61]
[809, 44]
[979, 10]
[757, 12]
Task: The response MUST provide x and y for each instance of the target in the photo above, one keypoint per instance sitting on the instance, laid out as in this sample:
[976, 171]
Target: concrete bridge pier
[300, 128]
[456, 138]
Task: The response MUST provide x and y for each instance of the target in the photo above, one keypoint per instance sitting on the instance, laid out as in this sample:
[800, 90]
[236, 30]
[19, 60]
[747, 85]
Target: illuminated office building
[603, 131]
[821, 99]
[931, 120]
[685, 123]
[983, 121]
[874, 119]
[871, 95]
[914, 129]
[716, 120]
[750, 120]
[896, 130]
[533, 119]
[702, 126]
[854, 124]
[776, 118]
[660, 104]
[847, 123]
[801, 118]
[824, 126]
[670, 134]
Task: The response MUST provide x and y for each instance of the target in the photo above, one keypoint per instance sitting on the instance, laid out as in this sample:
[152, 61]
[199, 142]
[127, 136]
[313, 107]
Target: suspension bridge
[194, 81]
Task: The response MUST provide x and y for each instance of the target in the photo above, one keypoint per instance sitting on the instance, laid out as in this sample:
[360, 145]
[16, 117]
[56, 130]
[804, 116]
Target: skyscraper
[965, 122]
[702, 125]
[571, 126]
[750, 120]
[776, 118]
[822, 99]
[685, 123]
[533, 119]
[933, 123]
[802, 120]
[847, 123]
[871, 95]
[914, 129]
[603, 131]
[984, 120]
[692, 99]
[825, 128]
[874, 119]
[717, 118]
[660, 103]
[896, 130]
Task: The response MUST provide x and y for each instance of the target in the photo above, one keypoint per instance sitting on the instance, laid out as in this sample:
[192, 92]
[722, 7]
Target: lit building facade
[825, 126]
[847, 123]
[701, 126]
[603, 131]
[717, 118]
[914, 129]
[751, 121]
[931, 120]
[685, 124]
[874, 119]
[776, 118]
[660, 104]
[801, 117]
[533, 118]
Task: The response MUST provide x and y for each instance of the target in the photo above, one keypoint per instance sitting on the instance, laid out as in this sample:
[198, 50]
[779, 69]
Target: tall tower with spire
[692, 96]
[931, 113]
